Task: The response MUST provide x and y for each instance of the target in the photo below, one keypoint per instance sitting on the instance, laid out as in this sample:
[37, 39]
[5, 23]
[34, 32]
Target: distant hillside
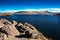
[5, 14]
[31, 12]
[37, 12]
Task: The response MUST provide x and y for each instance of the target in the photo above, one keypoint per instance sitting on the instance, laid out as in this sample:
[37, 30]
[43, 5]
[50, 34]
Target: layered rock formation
[18, 31]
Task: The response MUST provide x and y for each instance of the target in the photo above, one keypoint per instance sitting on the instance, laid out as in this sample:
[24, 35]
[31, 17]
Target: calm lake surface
[47, 24]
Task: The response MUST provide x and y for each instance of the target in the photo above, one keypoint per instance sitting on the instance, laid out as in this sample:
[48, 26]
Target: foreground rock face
[9, 28]
[12, 30]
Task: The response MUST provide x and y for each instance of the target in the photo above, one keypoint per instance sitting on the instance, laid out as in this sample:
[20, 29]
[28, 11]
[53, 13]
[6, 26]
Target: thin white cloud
[41, 9]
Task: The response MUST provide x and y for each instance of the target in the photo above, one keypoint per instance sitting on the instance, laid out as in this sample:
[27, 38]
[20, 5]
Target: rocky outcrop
[9, 27]
[19, 30]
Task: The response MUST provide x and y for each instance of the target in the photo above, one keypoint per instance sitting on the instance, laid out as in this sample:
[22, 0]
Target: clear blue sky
[28, 4]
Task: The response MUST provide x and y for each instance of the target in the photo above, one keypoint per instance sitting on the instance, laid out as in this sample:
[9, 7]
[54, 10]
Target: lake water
[47, 24]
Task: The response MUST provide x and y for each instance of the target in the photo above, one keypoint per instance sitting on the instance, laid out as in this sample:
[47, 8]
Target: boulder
[13, 29]
[3, 36]
[33, 32]
[9, 28]
[30, 31]
[1, 25]
[5, 21]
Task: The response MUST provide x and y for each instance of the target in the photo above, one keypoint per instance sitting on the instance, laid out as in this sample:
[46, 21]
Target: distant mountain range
[37, 12]
[31, 12]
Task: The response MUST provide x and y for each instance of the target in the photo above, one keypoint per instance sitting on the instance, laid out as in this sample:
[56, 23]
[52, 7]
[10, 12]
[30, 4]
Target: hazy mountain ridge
[38, 12]
[30, 12]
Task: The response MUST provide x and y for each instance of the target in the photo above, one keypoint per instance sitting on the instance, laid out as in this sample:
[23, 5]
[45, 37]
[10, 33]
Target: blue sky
[28, 4]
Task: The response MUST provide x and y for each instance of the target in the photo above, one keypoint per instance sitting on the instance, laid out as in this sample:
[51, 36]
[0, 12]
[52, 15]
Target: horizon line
[41, 9]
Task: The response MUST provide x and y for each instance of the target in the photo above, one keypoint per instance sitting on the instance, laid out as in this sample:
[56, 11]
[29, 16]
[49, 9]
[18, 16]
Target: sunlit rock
[14, 29]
